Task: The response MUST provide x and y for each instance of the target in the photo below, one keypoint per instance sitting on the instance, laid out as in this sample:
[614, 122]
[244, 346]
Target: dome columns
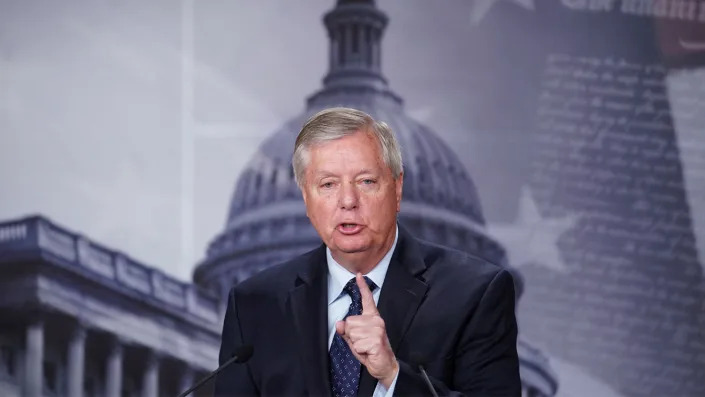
[355, 31]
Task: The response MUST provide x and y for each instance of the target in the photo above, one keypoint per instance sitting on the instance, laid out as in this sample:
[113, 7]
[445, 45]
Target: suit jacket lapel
[309, 310]
[402, 293]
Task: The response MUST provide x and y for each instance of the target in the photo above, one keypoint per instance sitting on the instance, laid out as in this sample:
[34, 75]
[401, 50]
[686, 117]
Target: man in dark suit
[359, 314]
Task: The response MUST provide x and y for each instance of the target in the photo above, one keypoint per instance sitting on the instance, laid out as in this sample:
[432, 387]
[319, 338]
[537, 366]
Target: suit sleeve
[486, 360]
[235, 380]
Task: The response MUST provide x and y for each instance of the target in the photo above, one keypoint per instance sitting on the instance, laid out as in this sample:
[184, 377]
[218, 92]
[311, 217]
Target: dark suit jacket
[451, 311]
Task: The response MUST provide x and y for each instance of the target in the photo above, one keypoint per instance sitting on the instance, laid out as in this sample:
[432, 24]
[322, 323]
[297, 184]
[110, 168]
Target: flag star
[532, 239]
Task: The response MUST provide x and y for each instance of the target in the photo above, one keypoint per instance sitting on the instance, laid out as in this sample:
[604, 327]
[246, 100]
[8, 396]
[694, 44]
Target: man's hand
[367, 337]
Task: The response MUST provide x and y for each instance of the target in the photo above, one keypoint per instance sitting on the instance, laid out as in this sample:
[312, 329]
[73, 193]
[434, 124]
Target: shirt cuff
[381, 391]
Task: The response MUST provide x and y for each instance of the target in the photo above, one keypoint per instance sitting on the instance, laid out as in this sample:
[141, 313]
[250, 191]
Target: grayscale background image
[145, 167]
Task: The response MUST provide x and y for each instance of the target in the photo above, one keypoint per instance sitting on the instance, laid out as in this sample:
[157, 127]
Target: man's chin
[351, 247]
[351, 251]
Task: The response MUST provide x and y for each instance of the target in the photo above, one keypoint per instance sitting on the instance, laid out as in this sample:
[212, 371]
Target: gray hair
[335, 123]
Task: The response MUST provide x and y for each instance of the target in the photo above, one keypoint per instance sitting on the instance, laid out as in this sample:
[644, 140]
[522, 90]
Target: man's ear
[304, 195]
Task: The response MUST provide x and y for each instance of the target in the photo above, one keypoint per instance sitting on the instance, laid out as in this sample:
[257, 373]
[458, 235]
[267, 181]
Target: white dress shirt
[339, 301]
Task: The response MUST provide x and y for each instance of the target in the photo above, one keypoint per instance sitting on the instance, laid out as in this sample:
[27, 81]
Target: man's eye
[327, 185]
[368, 181]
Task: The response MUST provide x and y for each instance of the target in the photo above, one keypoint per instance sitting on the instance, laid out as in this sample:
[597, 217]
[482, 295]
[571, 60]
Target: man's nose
[348, 196]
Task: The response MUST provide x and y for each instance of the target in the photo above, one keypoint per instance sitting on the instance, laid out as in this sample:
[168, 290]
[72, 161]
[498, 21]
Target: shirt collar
[338, 276]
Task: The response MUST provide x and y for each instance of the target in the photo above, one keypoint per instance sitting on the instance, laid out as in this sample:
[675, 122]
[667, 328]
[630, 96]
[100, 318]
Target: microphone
[241, 355]
[417, 359]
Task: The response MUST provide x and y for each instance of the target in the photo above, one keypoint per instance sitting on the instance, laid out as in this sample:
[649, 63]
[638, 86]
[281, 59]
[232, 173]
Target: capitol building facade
[80, 319]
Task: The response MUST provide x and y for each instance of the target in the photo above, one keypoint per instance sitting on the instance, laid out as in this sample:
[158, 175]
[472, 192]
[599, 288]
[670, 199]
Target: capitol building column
[150, 382]
[76, 360]
[34, 359]
[187, 378]
[113, 371]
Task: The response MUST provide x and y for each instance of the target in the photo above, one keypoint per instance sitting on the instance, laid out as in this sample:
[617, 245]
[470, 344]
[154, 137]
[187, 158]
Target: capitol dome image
[267, 224]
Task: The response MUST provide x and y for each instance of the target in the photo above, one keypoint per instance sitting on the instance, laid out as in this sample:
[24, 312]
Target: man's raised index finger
[368, 302]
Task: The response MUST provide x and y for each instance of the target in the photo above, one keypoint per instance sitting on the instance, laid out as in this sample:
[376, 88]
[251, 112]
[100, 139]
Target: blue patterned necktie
[344, 367]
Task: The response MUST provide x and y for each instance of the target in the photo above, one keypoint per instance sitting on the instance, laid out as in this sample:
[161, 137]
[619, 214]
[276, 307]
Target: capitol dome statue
[267, 221]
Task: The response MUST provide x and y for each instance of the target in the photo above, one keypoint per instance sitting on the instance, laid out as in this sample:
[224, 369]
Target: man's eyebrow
[323, 174]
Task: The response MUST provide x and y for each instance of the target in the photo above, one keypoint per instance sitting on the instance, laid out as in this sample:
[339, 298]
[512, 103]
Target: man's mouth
[349, 228]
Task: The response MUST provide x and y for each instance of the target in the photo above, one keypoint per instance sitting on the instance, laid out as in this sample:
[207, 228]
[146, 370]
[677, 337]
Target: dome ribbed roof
[433, 174]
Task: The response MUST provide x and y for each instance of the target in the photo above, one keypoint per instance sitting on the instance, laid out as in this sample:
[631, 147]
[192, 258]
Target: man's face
[351, 196]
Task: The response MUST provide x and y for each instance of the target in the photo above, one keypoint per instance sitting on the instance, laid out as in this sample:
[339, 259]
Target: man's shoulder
[458, 267]
[279, 277]
[454, 259]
